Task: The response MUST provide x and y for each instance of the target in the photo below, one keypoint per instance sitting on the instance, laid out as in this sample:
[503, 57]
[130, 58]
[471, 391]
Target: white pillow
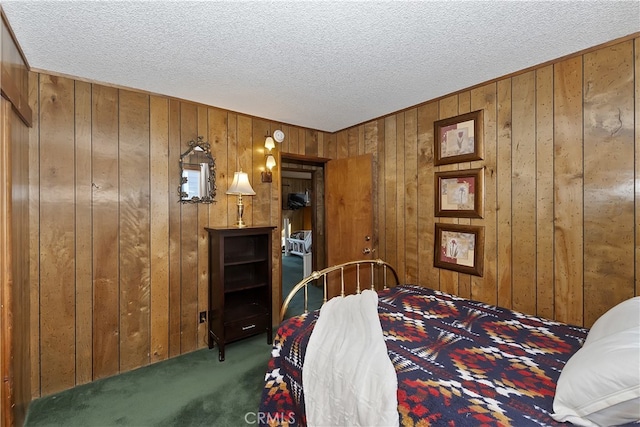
[600, 384]
[623, 316]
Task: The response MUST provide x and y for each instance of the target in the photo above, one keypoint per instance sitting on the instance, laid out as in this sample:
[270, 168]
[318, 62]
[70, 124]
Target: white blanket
[347, 376]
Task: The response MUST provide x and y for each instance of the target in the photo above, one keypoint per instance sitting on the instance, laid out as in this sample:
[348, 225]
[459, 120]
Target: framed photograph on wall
[459, 248]
[458, 139]
[460, 193]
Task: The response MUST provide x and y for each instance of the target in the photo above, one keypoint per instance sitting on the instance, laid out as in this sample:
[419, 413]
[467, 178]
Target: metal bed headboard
[373, 264]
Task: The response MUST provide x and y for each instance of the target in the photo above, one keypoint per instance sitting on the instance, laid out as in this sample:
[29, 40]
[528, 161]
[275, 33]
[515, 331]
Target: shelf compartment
[243, 259]
[245, 276]
[245, 248]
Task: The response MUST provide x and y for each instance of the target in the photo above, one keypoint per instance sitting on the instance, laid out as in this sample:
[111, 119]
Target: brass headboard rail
[373, 263]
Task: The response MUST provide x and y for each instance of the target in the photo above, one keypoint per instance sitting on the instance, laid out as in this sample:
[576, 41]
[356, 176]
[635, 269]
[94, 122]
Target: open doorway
[302, 222]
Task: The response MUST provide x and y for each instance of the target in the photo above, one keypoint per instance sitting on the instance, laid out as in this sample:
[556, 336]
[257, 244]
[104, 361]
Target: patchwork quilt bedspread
[458, 362]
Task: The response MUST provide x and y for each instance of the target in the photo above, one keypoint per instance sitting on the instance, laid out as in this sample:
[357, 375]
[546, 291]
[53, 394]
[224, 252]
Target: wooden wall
[561, 203]
[119, 267]
[15, 116]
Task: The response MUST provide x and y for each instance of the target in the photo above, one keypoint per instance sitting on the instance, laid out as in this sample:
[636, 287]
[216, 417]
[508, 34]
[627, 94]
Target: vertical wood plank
[175, 308]
[217, 136]
[390, 191]
[262, 200]
[104, 146]
[232, 166]
[352, 141]
[637, 162]
[330, 146]
[202, 301]
[302, 141]
[160, 183]
[342, 147]
[503, 196]
[7, 398]
[428, 275]
[544, 192]
[34, 233]
[464, 280]
[57, 233]
[188, 244]
[568, 186]
[448, 107]
[608, 178]
[411, 195]
[311, 143]
[485, 288]
[379, 220]
[135, 271]
[293, 140]
[245, 162]
[523, 197]
[276, 220]
[400, 199]
[84, 270]
[321, 137]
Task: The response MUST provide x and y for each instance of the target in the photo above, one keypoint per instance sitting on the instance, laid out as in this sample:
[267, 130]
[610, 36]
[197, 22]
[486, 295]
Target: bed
[463, 362]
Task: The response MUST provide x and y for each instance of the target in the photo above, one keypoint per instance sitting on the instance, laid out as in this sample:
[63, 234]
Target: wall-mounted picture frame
[459, 248]
[459, 139]
[460, 193]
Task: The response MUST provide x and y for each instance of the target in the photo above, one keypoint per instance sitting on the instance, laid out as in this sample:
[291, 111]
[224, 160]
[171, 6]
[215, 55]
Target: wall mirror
[197, 173]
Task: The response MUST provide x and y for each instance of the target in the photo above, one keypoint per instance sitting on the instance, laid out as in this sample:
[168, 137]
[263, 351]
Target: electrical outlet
[203, 316]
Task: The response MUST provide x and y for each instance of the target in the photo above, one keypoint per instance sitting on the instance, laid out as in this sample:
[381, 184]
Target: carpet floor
[194, 389]
[292, 273]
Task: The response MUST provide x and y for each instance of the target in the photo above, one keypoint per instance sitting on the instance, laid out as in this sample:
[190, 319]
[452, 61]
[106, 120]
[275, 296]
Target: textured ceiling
[325, 65]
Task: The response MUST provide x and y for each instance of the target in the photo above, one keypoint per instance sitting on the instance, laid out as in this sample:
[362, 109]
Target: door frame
[318, 162]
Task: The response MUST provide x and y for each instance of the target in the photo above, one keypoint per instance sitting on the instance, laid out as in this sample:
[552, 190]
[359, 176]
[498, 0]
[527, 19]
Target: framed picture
[459, 248]
[460, 193]
[458, 139]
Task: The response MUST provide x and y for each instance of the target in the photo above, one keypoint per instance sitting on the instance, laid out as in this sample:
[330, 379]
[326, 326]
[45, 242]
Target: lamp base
[267, 176]
[239, 222]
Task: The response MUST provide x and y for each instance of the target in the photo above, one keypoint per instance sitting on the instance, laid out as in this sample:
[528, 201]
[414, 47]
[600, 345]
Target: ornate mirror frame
[198, 164]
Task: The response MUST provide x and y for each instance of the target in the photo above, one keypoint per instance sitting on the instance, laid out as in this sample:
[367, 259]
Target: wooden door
[349, 214]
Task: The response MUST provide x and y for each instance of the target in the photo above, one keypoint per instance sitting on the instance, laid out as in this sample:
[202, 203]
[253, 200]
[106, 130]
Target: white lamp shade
[269, 144]
[241, 185]
[271, 162]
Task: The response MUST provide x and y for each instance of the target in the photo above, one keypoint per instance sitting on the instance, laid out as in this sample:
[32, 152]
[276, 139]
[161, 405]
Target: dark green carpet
[292, 274]
[191, 390]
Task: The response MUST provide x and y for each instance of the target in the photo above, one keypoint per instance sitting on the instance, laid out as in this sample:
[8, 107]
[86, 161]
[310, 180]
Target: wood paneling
[160, 177]
[636, 61]
[503, 194]
[188, 242]
[15, 255]
[544, 192]
[57, 234]
[568, 186]
[107, 163]
[105, 250]
[523, 185]
[133, 229]
[84, 266]
[608, 101]
[34, 237]
[485, 98]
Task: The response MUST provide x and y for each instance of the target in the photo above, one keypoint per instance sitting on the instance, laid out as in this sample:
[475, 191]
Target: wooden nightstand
[239, 284]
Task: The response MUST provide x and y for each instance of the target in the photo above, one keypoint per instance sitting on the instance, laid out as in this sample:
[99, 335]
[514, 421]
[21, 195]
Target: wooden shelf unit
[239, 284]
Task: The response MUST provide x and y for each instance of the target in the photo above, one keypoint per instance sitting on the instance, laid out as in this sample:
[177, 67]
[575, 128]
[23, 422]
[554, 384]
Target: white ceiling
[325, 65]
